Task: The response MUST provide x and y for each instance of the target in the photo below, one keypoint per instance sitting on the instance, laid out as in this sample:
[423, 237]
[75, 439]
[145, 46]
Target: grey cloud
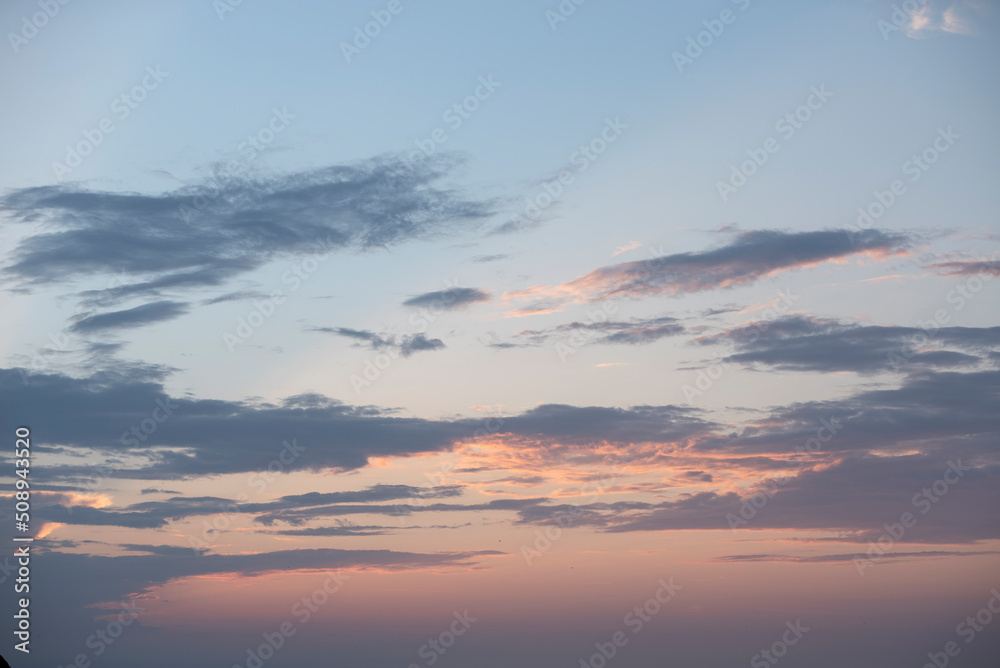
[802, 343]
[134, 317]
[453, 298]
[405, 345]
[638, 331]
[157, 514]
[856, 497]
[929, 406]
[208, 437]
[984, 268]
[248, 222]
[824, 558]
[749, 257]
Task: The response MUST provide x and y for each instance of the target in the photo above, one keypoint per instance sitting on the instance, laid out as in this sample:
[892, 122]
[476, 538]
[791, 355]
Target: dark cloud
[303, 515]
[730, 308]
[405, 345]
[453, 298]
[171, 244]
[239, 295]
[157, 514]
[929, 409]
[118, 413]
[159, 550]
[855, 497]
[340, 530]
[417, 342]
[823, 558]
[748, 258]
[983, 268]
[71, 586]
[212, 276]
[129, 318]
[801, 343]
[637, 331]
[490, 258]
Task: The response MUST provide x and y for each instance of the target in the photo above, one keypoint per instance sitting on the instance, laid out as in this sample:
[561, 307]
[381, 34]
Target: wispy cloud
[749, 257]
[166, 243]
[803, 343]
[405, 345]
[638, 331]
[454, 298]
[129, 318]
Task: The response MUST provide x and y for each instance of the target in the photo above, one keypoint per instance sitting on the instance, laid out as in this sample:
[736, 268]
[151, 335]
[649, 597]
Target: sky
[576, 333]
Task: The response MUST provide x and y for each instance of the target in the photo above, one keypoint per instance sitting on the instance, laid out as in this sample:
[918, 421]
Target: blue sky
[511, 252]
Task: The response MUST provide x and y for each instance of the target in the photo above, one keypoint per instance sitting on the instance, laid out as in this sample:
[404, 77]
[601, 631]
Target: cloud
[103, 413]
[157, 514]
[417, 342]
[632, 245]
[139, 316]
[451, 299]
[803, 343]
[929, 409]
[825, 558]
[166, 243]
[239, 295]
[300, 516]
[74, 581]
[957, 17]
[490, 258]
[405, 345]
[986, 269]
[339, 530]
[638, 331]
[854, 497]
[749, 257]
